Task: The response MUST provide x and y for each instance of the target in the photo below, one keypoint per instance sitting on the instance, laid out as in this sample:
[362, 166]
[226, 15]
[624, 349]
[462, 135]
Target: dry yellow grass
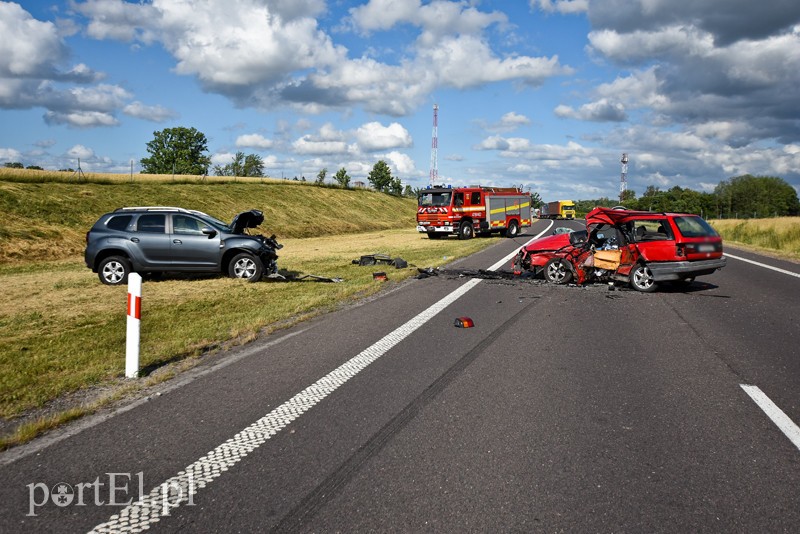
[777, 235]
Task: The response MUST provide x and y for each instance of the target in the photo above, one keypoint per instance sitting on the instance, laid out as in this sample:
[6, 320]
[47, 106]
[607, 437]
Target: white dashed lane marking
[781, 420]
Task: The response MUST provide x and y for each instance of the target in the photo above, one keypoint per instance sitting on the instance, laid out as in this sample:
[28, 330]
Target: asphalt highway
[564, 408]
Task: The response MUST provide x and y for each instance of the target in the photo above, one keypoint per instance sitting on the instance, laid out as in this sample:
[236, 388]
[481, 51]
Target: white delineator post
[134, 320]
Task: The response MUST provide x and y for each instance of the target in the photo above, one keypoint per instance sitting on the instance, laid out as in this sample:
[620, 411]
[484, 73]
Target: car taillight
[688, 248]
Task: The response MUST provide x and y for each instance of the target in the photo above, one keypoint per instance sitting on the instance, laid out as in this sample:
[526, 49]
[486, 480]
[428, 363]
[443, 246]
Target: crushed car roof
[616, 216]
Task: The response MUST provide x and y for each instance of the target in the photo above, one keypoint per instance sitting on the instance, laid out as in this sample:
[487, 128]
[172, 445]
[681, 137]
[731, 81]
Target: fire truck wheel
[465, 231]
[513, 229]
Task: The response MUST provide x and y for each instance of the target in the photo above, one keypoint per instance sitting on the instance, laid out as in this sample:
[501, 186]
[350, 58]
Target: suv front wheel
[247, 267]
[642, 279]
[114, 270]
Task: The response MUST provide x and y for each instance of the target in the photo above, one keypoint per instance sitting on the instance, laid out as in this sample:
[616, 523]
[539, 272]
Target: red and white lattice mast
[435, 147]
[623, 179]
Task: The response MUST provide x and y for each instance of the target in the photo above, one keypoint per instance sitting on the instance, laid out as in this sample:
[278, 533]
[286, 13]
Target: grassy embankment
[780, 235]
[64, 332]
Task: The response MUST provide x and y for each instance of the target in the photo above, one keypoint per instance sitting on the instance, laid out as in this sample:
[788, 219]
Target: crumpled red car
[640, 248]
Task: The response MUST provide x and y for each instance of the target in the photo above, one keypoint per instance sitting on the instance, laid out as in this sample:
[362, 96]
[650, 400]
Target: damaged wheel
[642, 279]
[247, 267]
[557, 271]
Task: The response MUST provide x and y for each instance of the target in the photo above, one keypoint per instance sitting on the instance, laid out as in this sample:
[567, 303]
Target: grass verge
[779, 235]
[64, 332]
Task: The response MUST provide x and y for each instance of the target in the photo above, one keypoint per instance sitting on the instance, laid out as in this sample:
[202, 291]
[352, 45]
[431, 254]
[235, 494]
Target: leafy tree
[179, 150]
[585, 206]
[321, 176]
[409, 191]
[756, 196]
[396, 187]
[14, 165]
[34, 167]
[536, 201]
[342, 178]
[241, 165]
[380, 177]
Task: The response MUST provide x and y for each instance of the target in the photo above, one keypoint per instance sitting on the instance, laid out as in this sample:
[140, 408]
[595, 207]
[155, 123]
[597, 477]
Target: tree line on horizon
[740, 197]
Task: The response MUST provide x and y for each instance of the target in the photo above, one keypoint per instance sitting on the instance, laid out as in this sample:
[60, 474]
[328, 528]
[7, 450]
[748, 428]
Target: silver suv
[150, 240]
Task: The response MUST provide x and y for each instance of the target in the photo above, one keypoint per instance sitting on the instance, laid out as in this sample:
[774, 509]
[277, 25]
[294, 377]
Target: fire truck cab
[465, 211]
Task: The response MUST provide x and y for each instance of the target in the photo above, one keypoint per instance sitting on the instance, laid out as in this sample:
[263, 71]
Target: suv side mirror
[210, 232]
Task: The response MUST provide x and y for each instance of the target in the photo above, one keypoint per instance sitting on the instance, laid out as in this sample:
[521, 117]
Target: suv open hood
[246, 219]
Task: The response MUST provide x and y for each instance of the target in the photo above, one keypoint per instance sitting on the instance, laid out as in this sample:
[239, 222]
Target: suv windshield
[434, 199]
[694, 227]
[213, 221]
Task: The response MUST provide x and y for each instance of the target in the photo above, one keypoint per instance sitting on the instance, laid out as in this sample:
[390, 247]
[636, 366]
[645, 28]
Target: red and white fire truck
[465, 211]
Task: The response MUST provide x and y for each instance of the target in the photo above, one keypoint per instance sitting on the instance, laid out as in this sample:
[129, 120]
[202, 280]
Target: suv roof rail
[152, 208]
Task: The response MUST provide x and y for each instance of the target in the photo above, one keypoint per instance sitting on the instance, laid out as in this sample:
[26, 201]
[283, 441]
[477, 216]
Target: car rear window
[694, 227]
[119, 222]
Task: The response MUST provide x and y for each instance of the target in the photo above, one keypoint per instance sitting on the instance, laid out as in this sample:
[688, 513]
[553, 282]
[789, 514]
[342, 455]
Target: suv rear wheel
[642, 279]
[114, 270]
[247, 267]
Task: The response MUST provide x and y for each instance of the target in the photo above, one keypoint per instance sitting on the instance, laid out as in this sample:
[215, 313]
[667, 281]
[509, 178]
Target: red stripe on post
[134, 306]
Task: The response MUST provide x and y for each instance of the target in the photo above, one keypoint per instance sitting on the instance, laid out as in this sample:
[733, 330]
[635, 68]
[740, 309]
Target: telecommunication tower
[623, 179]
[435, 146]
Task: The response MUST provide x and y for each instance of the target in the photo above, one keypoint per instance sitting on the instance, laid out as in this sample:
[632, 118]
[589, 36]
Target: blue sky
[546, 94]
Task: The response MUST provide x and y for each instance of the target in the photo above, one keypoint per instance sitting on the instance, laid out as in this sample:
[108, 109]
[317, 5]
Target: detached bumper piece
[375, 259]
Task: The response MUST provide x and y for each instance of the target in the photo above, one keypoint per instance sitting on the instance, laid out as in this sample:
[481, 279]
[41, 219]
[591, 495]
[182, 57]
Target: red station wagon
[638, 247]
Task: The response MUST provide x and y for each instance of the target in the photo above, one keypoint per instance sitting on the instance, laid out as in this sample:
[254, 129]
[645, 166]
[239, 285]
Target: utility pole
[434, 177]
[623, 179]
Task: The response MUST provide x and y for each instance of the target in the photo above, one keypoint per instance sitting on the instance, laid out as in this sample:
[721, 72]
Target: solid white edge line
[181, 488]
[781, 420]
[764, 265]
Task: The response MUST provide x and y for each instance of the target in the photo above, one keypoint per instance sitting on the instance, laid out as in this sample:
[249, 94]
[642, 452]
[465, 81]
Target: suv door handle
[177, 241]
[135, 239]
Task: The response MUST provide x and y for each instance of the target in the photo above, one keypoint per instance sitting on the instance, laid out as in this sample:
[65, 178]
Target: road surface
[562, 409]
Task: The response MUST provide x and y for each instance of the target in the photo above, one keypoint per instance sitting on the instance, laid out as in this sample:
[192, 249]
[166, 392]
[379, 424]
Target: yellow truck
[560, 209]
